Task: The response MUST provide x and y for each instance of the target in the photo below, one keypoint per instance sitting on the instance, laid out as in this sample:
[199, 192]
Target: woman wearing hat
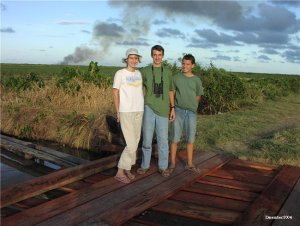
[129, 106]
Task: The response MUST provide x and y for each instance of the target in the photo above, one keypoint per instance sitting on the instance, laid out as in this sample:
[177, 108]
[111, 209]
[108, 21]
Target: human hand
[172, 115]
[118, 116]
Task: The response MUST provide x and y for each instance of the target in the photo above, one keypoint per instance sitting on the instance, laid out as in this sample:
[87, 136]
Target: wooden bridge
[227, 191]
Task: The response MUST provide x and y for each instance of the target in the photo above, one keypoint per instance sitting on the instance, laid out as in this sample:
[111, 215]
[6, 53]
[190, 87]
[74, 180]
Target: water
[11, 176]
[16, 169]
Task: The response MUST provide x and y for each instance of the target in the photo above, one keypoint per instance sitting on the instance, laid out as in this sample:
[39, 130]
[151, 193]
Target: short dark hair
[158, 48]
[189, 57]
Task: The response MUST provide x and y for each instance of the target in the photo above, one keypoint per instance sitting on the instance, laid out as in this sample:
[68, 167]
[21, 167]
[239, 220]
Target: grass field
[46, 71]
[267, 132]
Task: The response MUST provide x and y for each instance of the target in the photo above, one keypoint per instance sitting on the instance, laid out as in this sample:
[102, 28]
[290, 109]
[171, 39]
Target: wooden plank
[16, 158]
[221, 192]
[94, 223]
[96, 178]
[290, 209]
[112, 148]
[253, 165]
[77, 185]
[33, 202]
[111, 200]
[54, 180]
[232, 184]
[138, 222]
[244, 176]
[22, 142]
[162, 218]
[271, 199]
[197, 212]
[244, 166]
[211, 201]
[70, 158]
[65, 189]
[21, 206]
[14, 147]
[24, 165]
[50, 151]
[60, 205]
[271, 173]
[144, 200]
[8, 211]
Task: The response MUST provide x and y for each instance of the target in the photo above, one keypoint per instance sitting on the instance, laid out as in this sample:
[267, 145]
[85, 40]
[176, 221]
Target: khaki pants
[131, 124]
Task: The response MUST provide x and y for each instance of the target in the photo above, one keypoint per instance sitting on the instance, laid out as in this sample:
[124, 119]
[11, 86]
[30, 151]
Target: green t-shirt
[160, 104]
[187, 88]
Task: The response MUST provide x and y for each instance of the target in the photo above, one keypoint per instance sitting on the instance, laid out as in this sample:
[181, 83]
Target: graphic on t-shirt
[134, 80]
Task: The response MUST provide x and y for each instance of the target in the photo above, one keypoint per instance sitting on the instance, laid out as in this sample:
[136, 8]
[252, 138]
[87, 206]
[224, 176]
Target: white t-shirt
[130, 87]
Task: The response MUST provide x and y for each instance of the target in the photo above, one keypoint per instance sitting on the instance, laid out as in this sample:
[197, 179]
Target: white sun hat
[132, 51]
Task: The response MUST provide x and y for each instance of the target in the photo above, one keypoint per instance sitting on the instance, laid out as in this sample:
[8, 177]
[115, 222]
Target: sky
[243, 36]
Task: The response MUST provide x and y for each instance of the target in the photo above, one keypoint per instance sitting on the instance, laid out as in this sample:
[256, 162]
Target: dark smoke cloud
[80, 54]
[133, 43]
[107, 30]
[7, 30]
[160, 22]
[86, 31]
[105, 33]
[3, 7]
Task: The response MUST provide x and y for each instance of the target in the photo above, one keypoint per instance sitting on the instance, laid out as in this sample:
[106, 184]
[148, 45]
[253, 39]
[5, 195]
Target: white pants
[131, 124]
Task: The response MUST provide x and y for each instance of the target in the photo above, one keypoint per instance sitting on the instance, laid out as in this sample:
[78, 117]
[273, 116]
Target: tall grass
[42, 113]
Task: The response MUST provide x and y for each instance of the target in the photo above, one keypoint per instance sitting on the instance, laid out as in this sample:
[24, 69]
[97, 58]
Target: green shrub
[272, 87]
[26, 131]
[70, 78]
[294, 84]
[21, 83]
[93, 67]
[222, 91]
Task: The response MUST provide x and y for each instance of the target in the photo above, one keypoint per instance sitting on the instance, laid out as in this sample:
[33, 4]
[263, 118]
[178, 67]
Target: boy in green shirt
[188, 91]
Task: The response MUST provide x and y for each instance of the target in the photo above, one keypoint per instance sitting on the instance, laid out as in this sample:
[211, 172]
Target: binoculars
[158, 89]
